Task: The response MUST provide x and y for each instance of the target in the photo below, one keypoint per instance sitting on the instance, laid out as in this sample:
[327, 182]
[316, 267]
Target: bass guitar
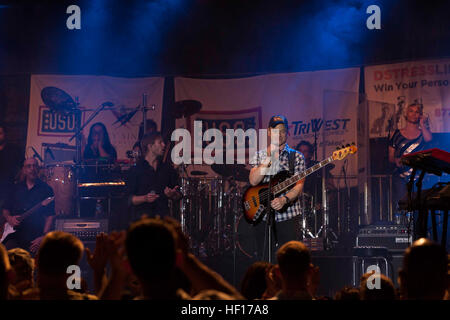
[255, 199]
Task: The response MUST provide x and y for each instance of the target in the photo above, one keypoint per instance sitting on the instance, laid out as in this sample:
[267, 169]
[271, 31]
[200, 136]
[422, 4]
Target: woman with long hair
[99, 146]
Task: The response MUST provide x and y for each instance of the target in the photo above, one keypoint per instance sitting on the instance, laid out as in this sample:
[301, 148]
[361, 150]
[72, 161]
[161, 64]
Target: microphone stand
[344, 171]
[271, 227]
[391, 205]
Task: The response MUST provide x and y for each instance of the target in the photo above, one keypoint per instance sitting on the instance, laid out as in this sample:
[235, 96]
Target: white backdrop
[400, 84]
[92, 91]
[301, 97]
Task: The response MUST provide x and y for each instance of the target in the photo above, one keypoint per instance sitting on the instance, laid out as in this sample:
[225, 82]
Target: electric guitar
[255, 199]
[6, 229]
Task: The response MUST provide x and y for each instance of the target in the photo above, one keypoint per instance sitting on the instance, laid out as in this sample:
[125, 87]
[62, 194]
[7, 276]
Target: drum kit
[211, 206]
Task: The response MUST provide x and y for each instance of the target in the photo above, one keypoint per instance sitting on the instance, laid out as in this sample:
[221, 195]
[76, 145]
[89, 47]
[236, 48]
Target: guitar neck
[31, 211]
[294, 179]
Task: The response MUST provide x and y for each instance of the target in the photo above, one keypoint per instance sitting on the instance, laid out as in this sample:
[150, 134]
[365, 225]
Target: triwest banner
[321, 105]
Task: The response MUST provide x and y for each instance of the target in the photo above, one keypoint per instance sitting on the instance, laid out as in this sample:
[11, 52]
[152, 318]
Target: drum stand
[304, 232]
[326, 231]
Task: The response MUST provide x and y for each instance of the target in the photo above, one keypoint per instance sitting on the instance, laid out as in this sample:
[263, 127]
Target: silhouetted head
[348, 294]
[254, 282]
[23, 265]
[294, 260]
[424, 271]
[151, 250]
[386, 290]
[57, 252]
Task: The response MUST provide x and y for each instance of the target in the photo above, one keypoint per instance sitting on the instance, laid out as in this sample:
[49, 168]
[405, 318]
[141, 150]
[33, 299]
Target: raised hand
[116, 252]
[35, 244]
[97, 260]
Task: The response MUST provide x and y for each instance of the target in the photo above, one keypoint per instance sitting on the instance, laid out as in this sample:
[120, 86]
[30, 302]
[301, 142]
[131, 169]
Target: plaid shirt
[282, 165]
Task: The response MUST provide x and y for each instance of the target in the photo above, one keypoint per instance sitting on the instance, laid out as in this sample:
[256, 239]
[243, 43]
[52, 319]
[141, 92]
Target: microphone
[107, 104]
[36, 155]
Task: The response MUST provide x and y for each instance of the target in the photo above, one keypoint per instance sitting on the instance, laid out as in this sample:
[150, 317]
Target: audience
[5, 273]
[152, 261]
[23, 265]
[273, 282]
[297, 272]
[424, 275]
[386, 291]
[254, 283]
[151, 250]
[57, 252]
[348, 294]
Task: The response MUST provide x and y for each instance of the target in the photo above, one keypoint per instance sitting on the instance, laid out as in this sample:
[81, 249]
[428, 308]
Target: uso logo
[55, 123]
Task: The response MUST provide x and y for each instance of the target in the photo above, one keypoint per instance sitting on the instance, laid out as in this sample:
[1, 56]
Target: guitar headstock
[344, 151]
[47, 201]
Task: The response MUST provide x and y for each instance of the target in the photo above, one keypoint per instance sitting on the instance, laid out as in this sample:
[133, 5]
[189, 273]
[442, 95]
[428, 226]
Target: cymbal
[185, 108]
[236, 171]
[58, 100]
[198, 173]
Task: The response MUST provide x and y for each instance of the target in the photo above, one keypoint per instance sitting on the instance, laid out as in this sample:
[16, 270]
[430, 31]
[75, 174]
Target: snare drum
[62, 180]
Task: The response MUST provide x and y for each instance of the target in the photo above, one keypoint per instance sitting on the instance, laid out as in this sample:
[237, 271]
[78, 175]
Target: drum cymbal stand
[327, 233]
[303, 228]
[234, 206]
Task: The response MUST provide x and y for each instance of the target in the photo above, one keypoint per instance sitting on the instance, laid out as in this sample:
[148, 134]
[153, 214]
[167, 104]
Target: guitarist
[412, 138]
[27, 193]
[287, 207]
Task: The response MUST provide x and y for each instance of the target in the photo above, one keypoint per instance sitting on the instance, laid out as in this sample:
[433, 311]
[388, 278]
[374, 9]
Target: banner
[126, 94]
[393, 87]
[319, 105]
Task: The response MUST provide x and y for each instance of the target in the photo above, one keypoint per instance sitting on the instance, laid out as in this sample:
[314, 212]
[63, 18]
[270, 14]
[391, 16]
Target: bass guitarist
[278, 157]
[27, 193]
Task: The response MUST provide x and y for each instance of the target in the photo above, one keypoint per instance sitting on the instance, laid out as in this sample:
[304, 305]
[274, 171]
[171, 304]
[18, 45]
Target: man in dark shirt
[10, 161]
[152, 183]
[25, 195]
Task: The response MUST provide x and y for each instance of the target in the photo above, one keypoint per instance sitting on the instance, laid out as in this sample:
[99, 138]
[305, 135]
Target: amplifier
[393, 237]
[84, 229]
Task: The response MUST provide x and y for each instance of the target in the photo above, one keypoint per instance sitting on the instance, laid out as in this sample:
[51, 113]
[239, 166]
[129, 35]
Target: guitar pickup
[255, 203]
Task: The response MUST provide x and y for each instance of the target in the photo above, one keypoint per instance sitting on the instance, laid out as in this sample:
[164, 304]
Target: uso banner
[320, 104]
[125, 94]
[395, 86]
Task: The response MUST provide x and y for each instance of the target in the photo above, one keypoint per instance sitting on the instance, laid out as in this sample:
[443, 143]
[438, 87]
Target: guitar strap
[291, 158]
